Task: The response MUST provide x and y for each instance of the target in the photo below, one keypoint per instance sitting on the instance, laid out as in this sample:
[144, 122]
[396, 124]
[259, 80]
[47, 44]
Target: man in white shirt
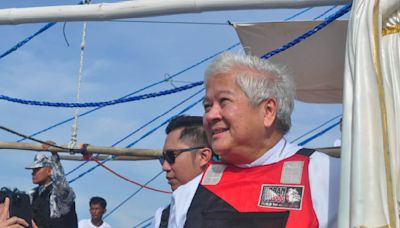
[263, 181]
[97, 210]
[186, 153]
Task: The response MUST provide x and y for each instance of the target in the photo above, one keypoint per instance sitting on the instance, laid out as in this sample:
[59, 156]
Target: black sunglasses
[170, 155]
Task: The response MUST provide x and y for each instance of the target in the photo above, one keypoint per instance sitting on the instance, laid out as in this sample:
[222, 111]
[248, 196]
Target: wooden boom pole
[118, 151]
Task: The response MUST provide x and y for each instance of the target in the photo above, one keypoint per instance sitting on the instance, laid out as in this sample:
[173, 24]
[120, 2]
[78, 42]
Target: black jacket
[41, 212]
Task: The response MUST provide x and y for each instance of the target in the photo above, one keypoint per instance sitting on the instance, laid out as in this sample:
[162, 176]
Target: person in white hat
[53, 200]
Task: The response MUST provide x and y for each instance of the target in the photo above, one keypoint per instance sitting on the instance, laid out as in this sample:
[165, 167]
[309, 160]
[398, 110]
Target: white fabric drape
[366, 185]
[317, 62]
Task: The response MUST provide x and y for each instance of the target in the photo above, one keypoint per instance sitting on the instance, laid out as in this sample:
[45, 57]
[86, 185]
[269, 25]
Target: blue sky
[120, 57]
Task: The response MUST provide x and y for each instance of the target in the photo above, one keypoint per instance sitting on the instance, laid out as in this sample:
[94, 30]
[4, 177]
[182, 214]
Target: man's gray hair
[259, 79]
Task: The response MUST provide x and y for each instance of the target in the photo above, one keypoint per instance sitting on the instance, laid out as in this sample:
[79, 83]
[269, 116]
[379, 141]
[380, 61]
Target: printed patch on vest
[281, 196]
[213, 174]
[292, 172]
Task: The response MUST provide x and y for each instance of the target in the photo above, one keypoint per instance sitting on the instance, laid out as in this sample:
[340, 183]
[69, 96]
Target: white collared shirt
[180, 202]
[324, 176]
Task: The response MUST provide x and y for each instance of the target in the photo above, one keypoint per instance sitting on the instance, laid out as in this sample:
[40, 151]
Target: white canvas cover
[317, 62]
[369, 194]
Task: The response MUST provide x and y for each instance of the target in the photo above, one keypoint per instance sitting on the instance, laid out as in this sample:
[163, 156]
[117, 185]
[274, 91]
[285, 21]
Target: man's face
[234, 127]
[41, 176]
[187, 164]
[97, 211]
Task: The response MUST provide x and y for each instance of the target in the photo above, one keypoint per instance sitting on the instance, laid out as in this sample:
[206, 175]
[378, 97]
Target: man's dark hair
[192, 129]
[98, 200]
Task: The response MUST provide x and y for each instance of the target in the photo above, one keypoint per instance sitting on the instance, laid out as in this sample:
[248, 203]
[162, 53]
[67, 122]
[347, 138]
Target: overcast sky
[120, 58]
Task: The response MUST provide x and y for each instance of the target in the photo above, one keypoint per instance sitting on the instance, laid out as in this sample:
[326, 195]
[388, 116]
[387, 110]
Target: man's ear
[270, 108]
[49, 171]
[205, 156]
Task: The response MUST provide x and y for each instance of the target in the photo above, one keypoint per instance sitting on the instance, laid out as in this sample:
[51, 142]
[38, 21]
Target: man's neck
[97, 222]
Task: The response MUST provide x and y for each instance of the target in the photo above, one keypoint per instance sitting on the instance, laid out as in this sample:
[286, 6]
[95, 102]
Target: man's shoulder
[317, 155]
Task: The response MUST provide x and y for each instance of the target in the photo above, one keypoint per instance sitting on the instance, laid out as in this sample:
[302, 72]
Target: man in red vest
[263, 180]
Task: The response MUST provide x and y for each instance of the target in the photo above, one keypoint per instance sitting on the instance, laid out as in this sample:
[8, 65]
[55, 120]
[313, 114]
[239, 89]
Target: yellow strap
[391, 30]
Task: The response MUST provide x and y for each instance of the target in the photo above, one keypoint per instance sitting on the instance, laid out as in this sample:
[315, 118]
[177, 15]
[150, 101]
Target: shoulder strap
[306, 152]
[165, 217]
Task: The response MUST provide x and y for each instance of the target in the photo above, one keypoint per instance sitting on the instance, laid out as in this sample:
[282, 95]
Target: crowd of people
[259, 179]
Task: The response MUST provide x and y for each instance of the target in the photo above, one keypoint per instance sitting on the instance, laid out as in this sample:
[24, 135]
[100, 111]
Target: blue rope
[143, 126]
[132, 195]
[324, 13]
[318, 134]
[156, 83]
[146, 220]
[90, 111]
[298, 14]
[172, 76]
[163, 114]
[316, 128]
[146, 225]
[145, 135]
[311, 32]
[104, 103]
[167, 121]
[26, 40]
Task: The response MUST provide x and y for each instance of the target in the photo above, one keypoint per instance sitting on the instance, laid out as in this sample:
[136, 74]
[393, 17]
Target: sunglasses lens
[169, 156]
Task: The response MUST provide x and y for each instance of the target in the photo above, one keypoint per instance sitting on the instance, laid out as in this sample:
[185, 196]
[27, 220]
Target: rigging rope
[29, 38]
[103, 103]
[304, 36]
[26, 40]
[132, 195]
[299, 13]
[74, 127]
[316, 128]
[324, 13]
[309, 33]
[82, 151]
[37, 140]
[127, 179]
[143, 222]
[319, 134]
[145, 135]
[137, 91]
[143, 126]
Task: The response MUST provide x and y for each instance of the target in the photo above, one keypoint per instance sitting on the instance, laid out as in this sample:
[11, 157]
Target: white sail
[317, 62]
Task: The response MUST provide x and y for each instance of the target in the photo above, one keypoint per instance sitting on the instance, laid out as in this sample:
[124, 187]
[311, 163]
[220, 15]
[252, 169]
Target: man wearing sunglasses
[186, 154]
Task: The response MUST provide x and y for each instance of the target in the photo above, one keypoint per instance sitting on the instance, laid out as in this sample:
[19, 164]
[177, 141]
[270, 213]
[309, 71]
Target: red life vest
[273, 195]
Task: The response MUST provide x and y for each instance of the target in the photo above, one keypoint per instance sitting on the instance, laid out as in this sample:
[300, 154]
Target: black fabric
[165, 217]
[41, 212]
[208, 210]
[306, 152]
